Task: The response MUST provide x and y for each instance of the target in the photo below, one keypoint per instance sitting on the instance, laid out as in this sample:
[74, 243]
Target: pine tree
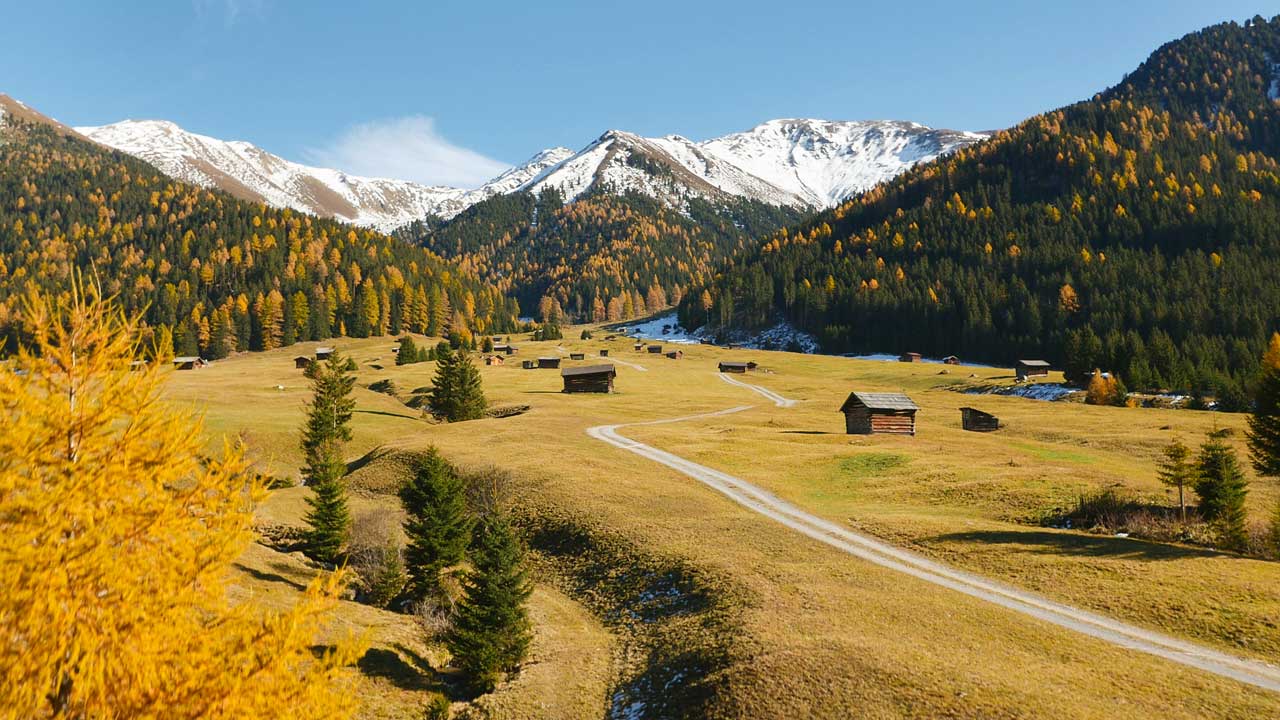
[438, 525]
[1222, 488]
[486, 345]
[456, 393]
[326, 429]
[408, 353]
[491, 633]
[1176, 471]
[1264, 423]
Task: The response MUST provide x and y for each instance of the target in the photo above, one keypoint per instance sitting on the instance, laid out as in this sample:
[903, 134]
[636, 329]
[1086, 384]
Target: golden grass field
[817, 633]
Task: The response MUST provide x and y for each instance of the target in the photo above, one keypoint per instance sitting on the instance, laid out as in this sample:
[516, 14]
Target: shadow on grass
[270, 577]
[1080, 544]
[388, 414]
[807, 432]
[413, 674]
[377, 453]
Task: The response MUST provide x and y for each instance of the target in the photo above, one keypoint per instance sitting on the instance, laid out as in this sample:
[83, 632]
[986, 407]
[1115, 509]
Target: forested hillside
[603, 257]
[1136, 231]
[212, 274]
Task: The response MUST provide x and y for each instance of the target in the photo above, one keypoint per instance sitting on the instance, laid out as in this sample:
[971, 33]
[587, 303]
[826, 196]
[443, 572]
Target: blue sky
[443, 91]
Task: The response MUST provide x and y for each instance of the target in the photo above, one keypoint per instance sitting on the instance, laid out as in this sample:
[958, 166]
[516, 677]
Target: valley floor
[805, 629]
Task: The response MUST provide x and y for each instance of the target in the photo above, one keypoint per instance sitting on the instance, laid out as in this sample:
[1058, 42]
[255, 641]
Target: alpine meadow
[969, 415]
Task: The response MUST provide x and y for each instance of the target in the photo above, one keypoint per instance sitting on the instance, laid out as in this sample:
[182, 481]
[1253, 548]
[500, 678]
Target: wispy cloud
[407, 148]
[228, 10]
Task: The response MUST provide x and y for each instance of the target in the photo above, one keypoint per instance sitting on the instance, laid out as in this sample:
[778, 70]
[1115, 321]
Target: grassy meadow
[813, 632]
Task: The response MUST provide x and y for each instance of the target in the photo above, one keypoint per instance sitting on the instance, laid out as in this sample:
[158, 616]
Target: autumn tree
[119, 532]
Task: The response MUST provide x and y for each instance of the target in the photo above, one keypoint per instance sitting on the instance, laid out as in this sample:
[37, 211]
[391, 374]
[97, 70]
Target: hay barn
[302, 362]
[323, 353]
[494, 360]
[879, 413]
[675, 354]
[733, 367]
[974, 420]
[577, 356]
[588, 379]
[528, 364]
[187, 362]
[1031, 368]
[910, 357]
[951, 360]
[655, 349]
[550, 363]
[604, 352]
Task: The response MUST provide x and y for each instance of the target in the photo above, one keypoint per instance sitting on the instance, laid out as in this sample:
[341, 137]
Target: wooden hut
[655, 349]
[493, 360]
[675, 354]
[604, 352]
[577, 356]
[888, 413]
[187, 362]
[504, 348]
[910, 357]
[1031, 368]
[751, 365]
[733, 367]
[302, 362]
[323, 353]
[549, 363]
[951, 360]
[638, 347]
[528, 364]
[590, 378]
[975, 420]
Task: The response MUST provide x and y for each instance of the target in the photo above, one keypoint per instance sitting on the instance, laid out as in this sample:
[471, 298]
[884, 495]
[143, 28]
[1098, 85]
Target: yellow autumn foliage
[117, 535]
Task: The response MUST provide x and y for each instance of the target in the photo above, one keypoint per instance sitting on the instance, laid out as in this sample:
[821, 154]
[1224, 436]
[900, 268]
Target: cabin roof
[976, 410]
[880, 401]
[1034, 363]
[588, 370]
[733, 363]
[186, 359]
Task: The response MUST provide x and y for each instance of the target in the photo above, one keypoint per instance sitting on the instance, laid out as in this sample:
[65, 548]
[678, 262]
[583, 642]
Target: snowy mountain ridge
[792, 162]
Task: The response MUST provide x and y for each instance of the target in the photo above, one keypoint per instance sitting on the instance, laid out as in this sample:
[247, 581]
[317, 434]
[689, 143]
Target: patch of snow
[780, 336]
[887, 357]
[1035, 391]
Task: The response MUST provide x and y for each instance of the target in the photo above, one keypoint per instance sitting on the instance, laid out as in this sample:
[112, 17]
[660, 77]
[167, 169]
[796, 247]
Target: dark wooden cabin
[323, 353]
[577, 356]
[604, 352]
[974, 420]
[505, 349]
[655, 349]
[951, 360]
[549, 362]
[528, 364]
[187, 363]
[302, 362]
[638, 347]
[1031, 368]
[675, 354]
[588, 379]
[879, 413]
[734, 367]
[911, 357]
[494, 360]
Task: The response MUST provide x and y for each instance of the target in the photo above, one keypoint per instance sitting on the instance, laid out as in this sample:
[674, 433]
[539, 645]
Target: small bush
[437, 707]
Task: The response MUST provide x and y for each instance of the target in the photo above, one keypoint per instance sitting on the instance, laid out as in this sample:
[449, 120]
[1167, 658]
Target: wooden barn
[588, 379]
[911, 357]
[577, 356]
[638, 347]
[675, 354]
[951, 360]
[302, 362]
[187, 362]
[974, 420]
[494, 360]
[549, 363]
[604, 352]
[528, 364]
[734, 367]
[505, 349]
[655, 349]
[1031, 368]
[879, 413]
[323, 353]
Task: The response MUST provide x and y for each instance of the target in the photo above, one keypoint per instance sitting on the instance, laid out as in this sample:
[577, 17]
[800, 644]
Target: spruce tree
[456, 391]
[326, 429]
[486, 345]
[491, 633]
[438, 525]
[1176, 471]
[408, 353]
[1264, 423]
[1222, 488]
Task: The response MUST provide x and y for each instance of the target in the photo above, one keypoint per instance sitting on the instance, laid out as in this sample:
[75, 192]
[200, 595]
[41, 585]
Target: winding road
[867, 548]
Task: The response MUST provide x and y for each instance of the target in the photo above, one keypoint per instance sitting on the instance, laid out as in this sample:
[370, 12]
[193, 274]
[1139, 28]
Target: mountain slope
[251, 173]
[211, 274]
[1132, 232]
[793, 163]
